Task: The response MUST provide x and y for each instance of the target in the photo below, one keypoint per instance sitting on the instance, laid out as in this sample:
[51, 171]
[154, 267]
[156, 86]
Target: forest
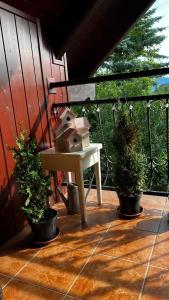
[139, 50]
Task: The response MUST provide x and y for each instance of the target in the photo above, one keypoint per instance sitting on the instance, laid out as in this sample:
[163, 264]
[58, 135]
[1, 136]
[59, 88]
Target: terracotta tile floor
[107, 258]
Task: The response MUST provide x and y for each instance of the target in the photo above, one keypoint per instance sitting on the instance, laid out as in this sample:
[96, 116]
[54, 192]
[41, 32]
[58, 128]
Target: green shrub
[34, 186]
[129, 172]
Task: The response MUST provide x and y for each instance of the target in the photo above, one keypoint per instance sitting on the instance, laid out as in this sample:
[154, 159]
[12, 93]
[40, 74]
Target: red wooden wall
[25, 63]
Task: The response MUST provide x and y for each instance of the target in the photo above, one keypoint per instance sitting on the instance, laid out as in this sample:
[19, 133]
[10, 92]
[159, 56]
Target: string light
[55, 110]
[148, 104]
[113, 107]
[119, 105]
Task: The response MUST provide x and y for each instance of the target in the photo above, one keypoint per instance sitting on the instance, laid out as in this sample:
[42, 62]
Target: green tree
[139, 50]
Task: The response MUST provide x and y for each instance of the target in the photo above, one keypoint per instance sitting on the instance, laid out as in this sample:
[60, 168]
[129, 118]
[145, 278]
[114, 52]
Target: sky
[162, 7]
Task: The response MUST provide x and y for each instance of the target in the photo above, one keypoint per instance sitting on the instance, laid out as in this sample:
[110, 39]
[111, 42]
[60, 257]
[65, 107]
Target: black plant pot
[46, 230]
[130, 205]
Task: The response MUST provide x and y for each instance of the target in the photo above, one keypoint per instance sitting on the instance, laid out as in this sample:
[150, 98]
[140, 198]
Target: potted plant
[34, 187]
[129, 173]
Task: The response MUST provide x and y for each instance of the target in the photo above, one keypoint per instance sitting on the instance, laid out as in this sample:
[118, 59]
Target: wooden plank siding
[25, 64]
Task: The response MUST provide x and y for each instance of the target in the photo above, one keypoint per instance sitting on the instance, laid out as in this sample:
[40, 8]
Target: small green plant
[129, 171]
[34, 186]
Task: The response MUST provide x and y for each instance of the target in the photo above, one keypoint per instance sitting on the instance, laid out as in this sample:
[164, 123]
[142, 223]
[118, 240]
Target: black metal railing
[154, 121]
[117, 76]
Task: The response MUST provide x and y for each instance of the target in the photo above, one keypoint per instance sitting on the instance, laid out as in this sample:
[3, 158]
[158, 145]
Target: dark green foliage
[34, 186]
[129, 175]
[139, 48]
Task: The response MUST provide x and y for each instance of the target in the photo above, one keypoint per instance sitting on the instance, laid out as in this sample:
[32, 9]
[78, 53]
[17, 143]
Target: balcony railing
[152, 112]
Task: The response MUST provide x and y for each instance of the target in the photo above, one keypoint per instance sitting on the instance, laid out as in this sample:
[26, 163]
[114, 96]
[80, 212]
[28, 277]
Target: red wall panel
[39, 83]
[25, 64]
[14, 68]
[6, 206]
[29, 78]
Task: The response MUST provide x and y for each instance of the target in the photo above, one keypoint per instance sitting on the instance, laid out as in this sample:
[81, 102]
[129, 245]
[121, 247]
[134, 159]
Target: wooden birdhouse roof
[68, 133]
[63, 112]
[82, 123]
[73, 131]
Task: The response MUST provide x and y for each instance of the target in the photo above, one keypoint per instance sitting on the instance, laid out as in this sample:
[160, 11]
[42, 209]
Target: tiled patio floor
[106, 259]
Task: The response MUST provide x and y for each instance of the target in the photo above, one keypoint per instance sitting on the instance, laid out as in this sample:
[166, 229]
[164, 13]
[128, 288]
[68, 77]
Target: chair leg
[98, 180]
[79, 181]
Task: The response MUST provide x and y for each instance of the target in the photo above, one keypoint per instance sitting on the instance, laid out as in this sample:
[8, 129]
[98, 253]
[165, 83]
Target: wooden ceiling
[87, 30]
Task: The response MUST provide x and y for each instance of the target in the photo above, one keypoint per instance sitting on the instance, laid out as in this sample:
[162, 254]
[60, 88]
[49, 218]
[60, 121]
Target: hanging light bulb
[131, 107]
[148, 104]
[113, 107]
[98, 109]
[119, 105]
[55, 110]
[167, 105]
[83, 109]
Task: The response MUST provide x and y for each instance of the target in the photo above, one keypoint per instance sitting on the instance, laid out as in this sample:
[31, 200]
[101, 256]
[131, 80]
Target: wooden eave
[86, 30]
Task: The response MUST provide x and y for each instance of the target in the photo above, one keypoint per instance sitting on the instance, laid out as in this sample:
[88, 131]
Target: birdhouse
[62, 121]
[72, 140]
[70, 133]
